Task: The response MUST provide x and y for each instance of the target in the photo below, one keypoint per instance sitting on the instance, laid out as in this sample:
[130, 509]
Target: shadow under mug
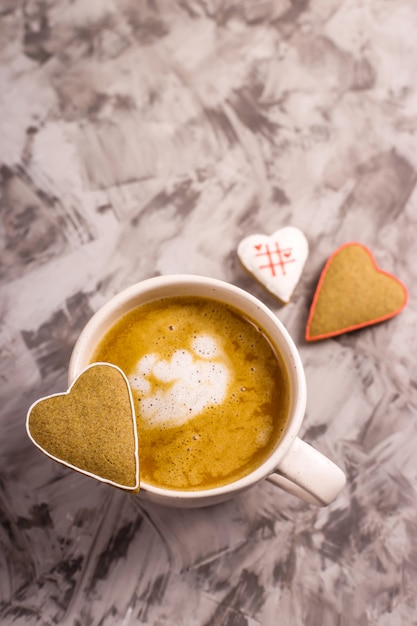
[294, 465]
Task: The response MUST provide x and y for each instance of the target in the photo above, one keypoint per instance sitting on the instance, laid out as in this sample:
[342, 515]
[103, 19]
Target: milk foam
[175, 390]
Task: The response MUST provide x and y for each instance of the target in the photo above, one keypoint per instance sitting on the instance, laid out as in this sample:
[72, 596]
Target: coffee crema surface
[211, 394]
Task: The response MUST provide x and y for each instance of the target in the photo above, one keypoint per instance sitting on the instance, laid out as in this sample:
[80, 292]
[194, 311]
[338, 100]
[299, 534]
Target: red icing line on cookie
[355, 326]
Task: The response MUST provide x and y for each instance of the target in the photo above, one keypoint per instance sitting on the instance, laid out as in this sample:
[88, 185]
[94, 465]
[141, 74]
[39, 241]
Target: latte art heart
[175, 390]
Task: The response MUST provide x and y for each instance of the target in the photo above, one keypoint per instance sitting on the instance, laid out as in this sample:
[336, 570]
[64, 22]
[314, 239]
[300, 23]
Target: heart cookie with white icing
[91, 428]
[275, 261]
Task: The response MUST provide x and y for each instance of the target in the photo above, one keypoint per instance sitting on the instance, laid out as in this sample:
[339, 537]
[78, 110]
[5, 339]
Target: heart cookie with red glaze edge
[353, 292]
[275, 261]
[91, 428]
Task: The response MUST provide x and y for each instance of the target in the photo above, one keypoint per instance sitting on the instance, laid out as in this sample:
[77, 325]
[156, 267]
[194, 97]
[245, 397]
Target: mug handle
[308, 474]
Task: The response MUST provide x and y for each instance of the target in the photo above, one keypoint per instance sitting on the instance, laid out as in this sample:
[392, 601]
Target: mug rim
[148, 290]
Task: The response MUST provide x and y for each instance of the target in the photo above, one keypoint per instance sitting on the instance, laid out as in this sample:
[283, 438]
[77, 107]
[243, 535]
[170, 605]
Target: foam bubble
[264, 435]
[137, 379]
[206, 347]
[167, 371]
[146, 363]
[140, 384]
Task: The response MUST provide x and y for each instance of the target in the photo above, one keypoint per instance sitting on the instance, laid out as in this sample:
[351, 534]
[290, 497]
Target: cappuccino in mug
[211, 392]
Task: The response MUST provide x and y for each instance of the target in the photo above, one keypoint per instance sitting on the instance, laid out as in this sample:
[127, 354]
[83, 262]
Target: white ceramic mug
[293, 465]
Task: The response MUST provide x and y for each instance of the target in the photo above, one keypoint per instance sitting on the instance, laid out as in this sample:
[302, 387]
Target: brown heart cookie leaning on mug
[91, 428]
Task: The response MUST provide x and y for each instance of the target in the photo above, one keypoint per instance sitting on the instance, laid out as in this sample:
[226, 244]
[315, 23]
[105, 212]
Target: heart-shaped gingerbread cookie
[275, 261]
[353, 292]
[91, 428]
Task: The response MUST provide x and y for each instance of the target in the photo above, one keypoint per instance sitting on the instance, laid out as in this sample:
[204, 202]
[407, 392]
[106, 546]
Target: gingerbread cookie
[275, 261]
[353, 292]
[91, 428]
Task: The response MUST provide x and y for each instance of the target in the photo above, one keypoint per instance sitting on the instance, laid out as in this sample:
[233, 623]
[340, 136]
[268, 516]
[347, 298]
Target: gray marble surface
[140, 138]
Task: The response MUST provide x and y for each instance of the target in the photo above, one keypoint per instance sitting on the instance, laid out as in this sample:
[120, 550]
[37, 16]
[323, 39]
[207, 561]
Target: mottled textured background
[149, 137]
